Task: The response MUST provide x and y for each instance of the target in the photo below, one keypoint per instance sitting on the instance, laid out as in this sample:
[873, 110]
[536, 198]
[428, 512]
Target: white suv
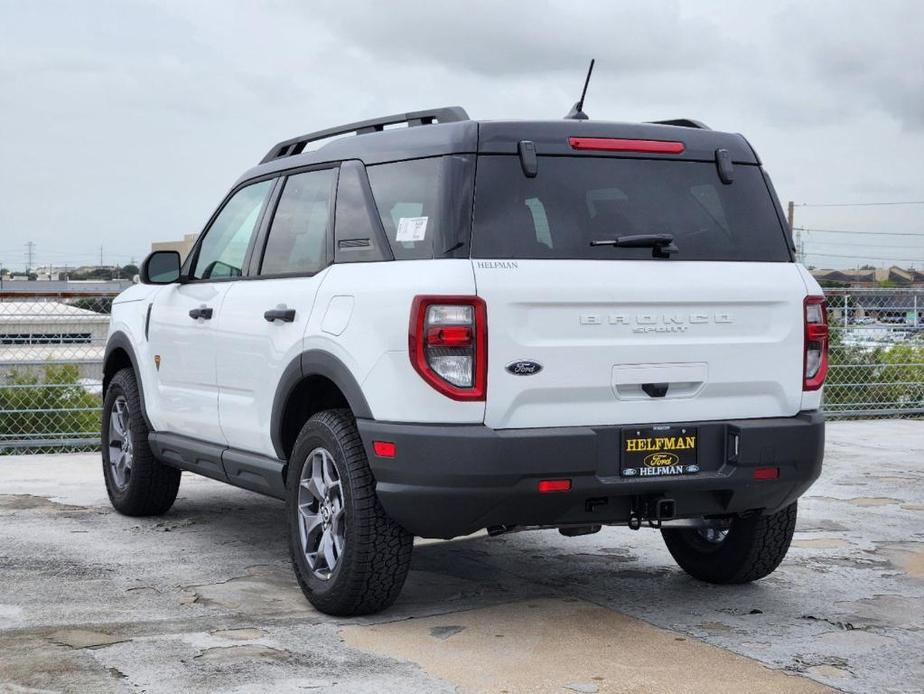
[462, 325]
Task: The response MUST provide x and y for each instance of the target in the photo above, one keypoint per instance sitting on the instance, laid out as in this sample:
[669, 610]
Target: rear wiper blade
[661, 245]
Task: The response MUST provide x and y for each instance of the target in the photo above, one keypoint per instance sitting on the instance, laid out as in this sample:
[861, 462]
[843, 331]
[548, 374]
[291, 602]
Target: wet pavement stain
[555, 644]
[263, 590]
[233, 654]
[908, 557]
[821, 543]
[238, 634]
[30, 502]
[867, 501]
[84, 638]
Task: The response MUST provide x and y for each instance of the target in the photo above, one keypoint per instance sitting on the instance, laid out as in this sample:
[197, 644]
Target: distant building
[872, 277]
[36, 333]
[182, 247]
[21, 285]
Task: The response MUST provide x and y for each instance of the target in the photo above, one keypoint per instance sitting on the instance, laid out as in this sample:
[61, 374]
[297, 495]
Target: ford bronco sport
[459, 325]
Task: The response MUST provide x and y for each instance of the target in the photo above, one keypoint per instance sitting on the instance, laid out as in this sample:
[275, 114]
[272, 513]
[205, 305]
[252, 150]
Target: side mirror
[161, 267]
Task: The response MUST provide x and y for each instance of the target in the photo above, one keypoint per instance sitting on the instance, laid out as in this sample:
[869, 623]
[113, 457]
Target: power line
[849, 244]
[858, 204]
[857, 231]
[865, 257]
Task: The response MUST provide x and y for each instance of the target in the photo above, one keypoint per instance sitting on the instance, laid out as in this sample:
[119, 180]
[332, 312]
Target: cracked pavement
[203, 599]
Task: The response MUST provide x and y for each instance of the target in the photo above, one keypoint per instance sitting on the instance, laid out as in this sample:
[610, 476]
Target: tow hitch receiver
[652, 510]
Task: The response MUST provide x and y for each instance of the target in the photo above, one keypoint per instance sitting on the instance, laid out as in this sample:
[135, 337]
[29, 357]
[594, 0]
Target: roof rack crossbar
[295, 145]
[682, 122]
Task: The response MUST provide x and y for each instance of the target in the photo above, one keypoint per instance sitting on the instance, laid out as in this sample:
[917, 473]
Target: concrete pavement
[203, 599]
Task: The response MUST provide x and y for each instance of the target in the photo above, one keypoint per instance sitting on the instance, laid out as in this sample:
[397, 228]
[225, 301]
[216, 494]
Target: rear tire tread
[754, 548]
[379, 549]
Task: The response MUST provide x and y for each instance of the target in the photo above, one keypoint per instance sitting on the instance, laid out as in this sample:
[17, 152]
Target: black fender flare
[314, 362]
[119, 340]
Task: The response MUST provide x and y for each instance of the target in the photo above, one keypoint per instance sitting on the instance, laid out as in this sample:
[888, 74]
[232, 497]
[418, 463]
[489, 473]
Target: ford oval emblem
[524, 367]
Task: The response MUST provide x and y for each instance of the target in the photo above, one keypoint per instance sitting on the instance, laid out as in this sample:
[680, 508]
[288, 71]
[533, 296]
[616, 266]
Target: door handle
[204, 313]
[286, 315]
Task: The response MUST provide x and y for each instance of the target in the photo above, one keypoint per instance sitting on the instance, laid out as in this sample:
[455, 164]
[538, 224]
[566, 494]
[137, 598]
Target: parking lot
[204, 599]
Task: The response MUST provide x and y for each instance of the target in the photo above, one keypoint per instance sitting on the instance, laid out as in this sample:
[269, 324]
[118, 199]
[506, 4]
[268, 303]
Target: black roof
[448, 131]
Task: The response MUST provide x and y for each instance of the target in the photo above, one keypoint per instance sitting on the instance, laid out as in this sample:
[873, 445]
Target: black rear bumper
[451, 480]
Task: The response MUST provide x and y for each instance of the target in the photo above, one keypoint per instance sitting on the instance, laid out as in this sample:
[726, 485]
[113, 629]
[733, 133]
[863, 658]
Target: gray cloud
[125, 121]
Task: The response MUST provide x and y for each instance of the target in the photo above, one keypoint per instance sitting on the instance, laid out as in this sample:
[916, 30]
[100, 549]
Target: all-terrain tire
[752, 549]
[150, 488]
[376, 553]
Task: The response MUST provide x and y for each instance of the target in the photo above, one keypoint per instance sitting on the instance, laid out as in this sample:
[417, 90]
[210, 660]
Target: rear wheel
[349, 557]
[137, 484]
[749, 549]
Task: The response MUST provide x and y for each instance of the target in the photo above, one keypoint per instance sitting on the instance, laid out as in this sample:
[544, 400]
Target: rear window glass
[425, 205]
[575, 200]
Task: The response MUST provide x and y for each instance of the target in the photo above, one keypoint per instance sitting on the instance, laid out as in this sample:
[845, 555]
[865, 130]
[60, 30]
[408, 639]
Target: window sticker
[411, 229]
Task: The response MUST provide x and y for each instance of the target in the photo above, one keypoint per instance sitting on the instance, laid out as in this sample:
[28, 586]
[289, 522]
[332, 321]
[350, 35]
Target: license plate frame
[659, 451]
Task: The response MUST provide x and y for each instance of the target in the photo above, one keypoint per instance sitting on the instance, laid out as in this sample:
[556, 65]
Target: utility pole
[101, 255]
[796, 234]
[30, 250]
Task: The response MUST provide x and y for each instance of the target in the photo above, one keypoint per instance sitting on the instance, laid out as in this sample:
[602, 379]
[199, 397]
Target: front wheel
[749, 549]
[137, 483]
[349, 557]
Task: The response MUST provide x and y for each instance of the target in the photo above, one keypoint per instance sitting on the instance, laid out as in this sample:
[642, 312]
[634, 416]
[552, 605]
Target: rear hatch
[582, 334]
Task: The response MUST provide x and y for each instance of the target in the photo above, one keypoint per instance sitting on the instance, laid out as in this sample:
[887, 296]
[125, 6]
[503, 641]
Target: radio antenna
[577, 111]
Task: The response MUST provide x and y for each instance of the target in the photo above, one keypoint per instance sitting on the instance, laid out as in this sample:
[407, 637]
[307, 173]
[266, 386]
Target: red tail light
[614, 144]
[816, 342]
[448, 344]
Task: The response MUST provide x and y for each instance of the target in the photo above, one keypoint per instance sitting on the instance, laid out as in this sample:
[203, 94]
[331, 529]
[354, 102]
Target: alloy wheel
[121, 455]
[321, 513]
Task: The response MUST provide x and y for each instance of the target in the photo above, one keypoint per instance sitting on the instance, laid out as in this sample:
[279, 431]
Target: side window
[298, 237]
[222, 251]
[407, 195]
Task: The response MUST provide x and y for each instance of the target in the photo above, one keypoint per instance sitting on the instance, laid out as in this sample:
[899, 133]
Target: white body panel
[726, 337]
[185, 387]
[373, 345]
[254, 353]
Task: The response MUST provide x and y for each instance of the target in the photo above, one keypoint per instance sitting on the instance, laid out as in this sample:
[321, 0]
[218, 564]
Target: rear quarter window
[425, 205]
[575, 200]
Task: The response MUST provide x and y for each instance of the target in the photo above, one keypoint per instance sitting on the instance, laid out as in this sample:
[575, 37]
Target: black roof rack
[682, 122]
[448, 114]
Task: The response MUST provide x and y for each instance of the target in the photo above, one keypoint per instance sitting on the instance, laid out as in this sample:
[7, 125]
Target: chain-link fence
[51, 356]
[877, 353]
[51, 351]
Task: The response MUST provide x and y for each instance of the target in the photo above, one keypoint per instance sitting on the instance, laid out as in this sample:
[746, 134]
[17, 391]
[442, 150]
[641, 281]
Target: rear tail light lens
[816, 342]
[448, 344]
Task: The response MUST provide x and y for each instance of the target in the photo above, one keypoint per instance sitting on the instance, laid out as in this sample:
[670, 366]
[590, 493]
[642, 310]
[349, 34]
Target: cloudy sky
[124, 121]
